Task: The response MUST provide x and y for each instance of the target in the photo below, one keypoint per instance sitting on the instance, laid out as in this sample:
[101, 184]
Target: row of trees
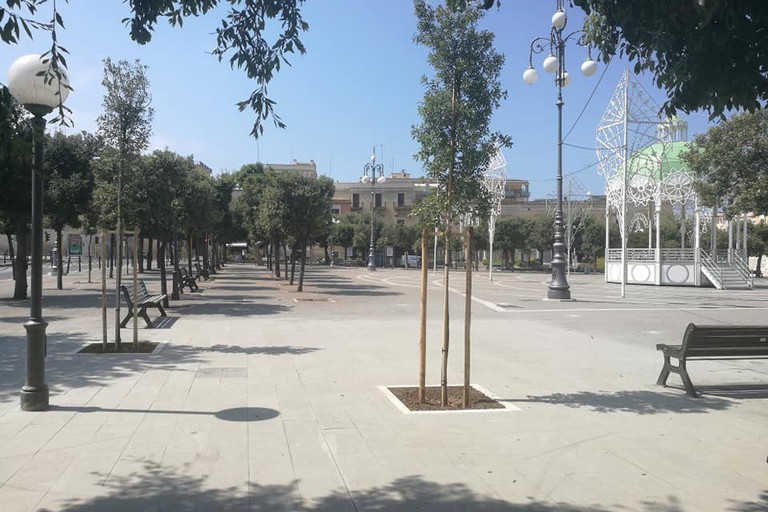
[285, 211]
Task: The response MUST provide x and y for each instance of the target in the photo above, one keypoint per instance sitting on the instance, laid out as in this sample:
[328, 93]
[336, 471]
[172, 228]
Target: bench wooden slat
[712, 342]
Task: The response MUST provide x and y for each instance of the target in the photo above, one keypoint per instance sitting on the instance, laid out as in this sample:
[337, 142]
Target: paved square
[265, 400]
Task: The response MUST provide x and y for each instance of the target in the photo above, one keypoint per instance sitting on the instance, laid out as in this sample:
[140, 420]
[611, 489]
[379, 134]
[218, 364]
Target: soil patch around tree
[126, 347]
[409, 397]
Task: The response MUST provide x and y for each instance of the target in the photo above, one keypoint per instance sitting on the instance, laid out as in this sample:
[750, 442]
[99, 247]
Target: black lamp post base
[558, 294]
[34, 399]
[558, 286]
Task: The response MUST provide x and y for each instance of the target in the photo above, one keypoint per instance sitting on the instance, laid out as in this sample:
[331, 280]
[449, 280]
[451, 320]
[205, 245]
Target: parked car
[410, 261]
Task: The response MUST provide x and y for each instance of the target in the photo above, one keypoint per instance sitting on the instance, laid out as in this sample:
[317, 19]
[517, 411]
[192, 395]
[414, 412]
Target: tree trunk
[302, 267]
[59, 261]
[285, 257]
[467, 314]
[20, 262]
[90, 260]
[293, 265]
[189, 251]
[11, 254]
[276, 259]
[141, 254]
[446, 323]
[149, 254]
[111, 255]
[758, 266]
[206, 256]
[423, 316]
[161, 257]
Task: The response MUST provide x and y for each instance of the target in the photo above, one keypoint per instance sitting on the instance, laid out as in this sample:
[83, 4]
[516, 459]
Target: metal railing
[711, 267]
[738, 262]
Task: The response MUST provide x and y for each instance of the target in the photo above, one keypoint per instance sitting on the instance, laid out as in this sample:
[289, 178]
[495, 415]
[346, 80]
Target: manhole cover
[313, 299]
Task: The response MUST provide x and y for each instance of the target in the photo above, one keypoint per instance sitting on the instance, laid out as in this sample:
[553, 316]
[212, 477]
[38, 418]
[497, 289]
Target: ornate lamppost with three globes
[555, 43]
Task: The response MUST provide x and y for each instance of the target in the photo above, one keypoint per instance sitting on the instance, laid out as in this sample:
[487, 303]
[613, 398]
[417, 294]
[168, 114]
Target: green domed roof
[658, 160]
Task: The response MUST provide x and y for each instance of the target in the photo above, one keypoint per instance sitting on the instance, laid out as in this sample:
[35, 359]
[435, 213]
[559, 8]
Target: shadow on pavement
[759, 505]
[232, 414]
[155, 489]
[639, 402]
[21, 319]
[228, 307]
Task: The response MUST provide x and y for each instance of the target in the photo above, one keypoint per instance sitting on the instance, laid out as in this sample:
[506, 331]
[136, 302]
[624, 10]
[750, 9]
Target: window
[335, 210]
[378, 200]
[400, 222]
[355, 200]
[401, 199]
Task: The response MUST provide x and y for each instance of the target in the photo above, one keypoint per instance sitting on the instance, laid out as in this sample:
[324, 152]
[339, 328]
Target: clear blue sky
[358, 86]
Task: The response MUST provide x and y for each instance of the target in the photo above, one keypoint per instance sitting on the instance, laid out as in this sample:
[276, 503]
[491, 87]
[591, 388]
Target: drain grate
[222, 373]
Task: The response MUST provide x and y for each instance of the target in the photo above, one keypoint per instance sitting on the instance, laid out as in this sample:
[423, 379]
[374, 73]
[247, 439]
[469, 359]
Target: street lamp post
[555, 43]
[372, 173]
[32, 82]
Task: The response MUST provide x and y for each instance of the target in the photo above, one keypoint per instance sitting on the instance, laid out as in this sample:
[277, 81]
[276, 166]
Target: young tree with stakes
[455, 140]
[125, 127]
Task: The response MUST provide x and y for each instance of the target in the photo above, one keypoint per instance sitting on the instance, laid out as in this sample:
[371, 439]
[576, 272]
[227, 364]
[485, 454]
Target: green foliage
[454, 136]
[16, 179]
[511, 235]
[17, 16]
[70, 178]
[126, 123]
[589, 241]
[245, 37]
[730, 161]
[704, 54]
[401, 237]
[15, 159]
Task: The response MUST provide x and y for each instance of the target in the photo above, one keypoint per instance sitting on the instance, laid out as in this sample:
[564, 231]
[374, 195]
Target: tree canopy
[255, 36]
[454, 135]
[730, 162]
[706, 54]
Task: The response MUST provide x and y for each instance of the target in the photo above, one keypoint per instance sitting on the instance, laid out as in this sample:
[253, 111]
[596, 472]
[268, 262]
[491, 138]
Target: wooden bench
[144, 300]
[188, 280]
[712, 342]
[201, 272]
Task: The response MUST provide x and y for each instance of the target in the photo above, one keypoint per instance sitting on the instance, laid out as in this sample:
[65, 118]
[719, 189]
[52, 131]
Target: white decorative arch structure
[494, 182]
[639, 157]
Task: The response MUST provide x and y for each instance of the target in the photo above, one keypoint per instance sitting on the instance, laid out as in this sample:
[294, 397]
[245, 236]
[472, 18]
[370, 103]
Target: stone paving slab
[260, 402]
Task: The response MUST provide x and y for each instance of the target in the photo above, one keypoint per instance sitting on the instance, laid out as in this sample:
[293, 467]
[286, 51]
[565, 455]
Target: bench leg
[662, 380]
[162, 311]
[687, 380]
[143, 314]
[127, 317]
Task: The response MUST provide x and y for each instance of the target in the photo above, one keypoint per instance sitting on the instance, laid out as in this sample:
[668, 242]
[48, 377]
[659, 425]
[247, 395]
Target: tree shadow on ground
[81, 299]
[638, 402]
[21, 319]
[228, 307]
[238, 286]
[157, 488]
[759, 505]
